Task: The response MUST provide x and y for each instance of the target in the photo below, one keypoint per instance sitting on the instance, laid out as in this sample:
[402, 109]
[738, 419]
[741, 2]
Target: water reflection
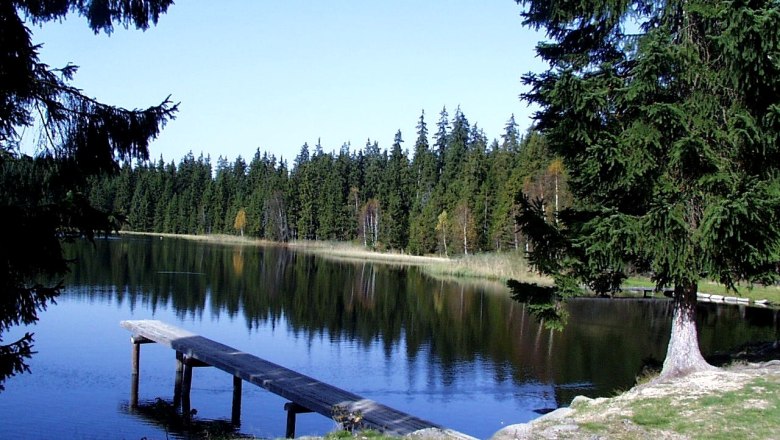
[166, 415]
[449, 333]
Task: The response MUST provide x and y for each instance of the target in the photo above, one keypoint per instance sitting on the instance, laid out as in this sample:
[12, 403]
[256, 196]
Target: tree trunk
[555, 214]
[465, 239]
[683, 355]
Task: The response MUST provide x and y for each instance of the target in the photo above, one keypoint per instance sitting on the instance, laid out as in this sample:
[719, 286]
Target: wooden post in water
[186, 387]
[185, 390]
[178, 380]
[293, 409]
[315, 396]
[235, 418]
[135, 360]
[135, 365]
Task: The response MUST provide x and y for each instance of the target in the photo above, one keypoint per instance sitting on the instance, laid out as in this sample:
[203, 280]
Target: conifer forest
[453, 194]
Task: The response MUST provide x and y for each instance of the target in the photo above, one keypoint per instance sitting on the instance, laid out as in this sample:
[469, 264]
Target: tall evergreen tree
[375, 162]
[306, 192]
[511, 137]
[422, 216]
[451, 181]
[396, 196]
[474, 190]
[441, 139]
[670, 136]
[81, 137]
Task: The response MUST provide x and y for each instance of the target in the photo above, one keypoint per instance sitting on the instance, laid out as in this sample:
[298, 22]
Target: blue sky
[274, 74]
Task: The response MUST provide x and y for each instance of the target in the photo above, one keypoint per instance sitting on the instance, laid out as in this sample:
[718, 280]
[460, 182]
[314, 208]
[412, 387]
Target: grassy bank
[741, 401]
[757, 292]
[495, 266]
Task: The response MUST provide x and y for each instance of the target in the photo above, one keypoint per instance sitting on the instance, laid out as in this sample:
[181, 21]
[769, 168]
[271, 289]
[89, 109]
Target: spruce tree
[422, 215]
[81, 138]
[396, 195]
[666, 115]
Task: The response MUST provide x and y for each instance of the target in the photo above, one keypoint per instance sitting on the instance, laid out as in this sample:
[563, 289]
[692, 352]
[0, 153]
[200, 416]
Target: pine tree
[473, 190]
[502, 224]
[669, 135]
[441, 139]
[81, 138]
[396, 196]
[422, 215]
[511, 137]
[306, 190]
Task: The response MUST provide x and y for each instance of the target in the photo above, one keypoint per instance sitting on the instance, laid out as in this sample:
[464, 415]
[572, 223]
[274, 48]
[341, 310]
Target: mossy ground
[738, 402]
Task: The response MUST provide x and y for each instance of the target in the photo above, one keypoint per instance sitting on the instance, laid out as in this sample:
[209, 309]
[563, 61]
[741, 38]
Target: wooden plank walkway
[305, 393]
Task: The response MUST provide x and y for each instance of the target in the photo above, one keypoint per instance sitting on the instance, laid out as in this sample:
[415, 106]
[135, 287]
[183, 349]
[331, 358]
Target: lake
[463, 355]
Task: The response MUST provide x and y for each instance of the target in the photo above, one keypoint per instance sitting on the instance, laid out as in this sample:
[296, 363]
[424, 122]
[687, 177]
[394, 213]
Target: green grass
[656, 413]
[750, 412]
[757, 292]
[594, 427]
[367, 434]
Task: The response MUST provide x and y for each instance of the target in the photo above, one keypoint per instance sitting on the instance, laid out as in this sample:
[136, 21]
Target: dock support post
[290, 432]
[185, 390]
[186, 386]
[178, 380]
[135, 361]
[235, 418]
[293, 409]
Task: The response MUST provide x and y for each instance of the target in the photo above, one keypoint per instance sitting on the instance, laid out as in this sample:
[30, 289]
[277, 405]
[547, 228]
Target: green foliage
[45, 198]
[545, 303]
[396, 195]
[665, 115]
[669, 135]
[378, 197]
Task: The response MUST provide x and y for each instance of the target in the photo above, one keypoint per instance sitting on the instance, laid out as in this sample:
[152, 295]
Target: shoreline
[492, 267]
[325, 248]
[743, 393]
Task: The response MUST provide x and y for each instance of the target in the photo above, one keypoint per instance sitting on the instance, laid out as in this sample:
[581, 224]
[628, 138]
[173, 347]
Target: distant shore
[494, 266]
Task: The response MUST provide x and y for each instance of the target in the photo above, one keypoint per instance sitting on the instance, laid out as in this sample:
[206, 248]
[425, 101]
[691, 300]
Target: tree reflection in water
[601, 349]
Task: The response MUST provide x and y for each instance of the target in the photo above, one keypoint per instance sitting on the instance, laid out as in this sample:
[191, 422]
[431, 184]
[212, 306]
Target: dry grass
[354, 252]
[491, 266]
[495, 266]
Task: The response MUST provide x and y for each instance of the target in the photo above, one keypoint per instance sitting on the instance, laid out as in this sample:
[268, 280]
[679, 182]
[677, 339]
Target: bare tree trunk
[683, 355]
[365, 228]
[465, 239]
[555, 214]
[376, 224]
[516, 228]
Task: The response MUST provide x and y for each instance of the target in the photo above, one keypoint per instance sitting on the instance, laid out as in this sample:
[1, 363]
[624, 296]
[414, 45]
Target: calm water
[463, 355]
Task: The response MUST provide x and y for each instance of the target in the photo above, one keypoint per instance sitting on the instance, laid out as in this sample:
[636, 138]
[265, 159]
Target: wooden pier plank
[303, 390]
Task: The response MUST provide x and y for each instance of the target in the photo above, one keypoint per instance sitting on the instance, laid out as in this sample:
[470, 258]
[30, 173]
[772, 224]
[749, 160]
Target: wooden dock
[305, 393]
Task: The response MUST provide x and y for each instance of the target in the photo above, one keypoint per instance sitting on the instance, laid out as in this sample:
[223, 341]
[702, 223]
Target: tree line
[456, 195]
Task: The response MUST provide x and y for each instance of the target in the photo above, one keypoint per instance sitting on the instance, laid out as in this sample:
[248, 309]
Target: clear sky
[274, 74]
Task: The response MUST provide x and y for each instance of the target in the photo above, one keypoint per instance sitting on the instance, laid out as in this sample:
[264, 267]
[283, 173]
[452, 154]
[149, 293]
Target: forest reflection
[602, 348]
